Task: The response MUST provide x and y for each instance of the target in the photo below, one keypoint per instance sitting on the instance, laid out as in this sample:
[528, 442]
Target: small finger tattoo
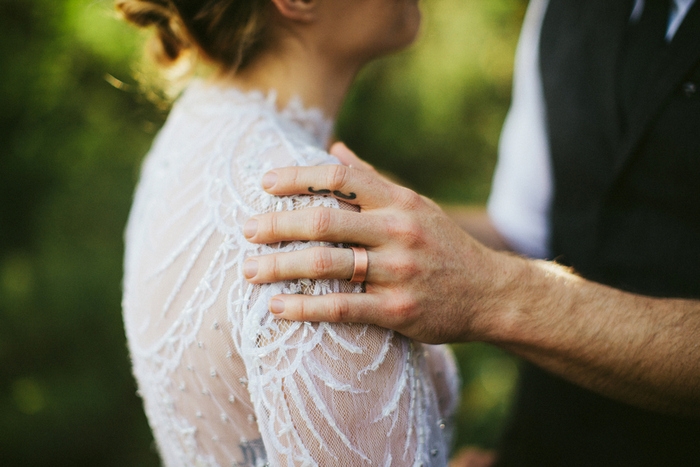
[319, 192]
[336, 193]
[349, 197]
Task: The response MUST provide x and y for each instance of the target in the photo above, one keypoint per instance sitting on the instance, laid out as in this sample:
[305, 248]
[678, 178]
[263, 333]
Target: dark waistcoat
[626, 212]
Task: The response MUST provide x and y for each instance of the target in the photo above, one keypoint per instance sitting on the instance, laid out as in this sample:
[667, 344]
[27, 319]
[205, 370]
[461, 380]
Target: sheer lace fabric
[223, 382]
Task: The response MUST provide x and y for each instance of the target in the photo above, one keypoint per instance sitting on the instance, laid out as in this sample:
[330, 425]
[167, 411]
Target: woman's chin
[406, 35]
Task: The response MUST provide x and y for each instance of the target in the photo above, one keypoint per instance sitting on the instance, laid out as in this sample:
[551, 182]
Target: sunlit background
[71, 143]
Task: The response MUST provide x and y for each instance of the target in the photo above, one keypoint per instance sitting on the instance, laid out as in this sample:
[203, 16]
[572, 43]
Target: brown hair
[226, 32]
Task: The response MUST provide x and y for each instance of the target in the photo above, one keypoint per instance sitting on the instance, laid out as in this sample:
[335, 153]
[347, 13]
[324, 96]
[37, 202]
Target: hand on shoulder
[426, 278]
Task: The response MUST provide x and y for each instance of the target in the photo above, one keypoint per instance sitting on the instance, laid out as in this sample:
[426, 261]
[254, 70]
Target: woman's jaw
[314, 48]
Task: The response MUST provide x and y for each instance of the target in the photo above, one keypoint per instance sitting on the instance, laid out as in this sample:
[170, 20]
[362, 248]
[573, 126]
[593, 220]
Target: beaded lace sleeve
[241, 387]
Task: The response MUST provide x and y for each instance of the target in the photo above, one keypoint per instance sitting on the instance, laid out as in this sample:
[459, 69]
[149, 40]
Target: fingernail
[269, 180]
[277, 306]
[250, 228]
[250, 269]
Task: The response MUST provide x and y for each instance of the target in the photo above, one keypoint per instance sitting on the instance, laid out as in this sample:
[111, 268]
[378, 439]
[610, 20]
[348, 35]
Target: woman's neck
[294, 70]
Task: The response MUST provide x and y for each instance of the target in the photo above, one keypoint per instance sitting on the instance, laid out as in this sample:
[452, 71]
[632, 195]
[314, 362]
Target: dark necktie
[643, 52]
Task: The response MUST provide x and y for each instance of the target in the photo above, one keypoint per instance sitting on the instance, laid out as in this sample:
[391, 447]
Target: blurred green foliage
[71, 144]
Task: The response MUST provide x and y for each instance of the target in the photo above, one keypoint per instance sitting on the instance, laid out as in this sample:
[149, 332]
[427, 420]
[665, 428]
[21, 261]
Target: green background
[71, 144]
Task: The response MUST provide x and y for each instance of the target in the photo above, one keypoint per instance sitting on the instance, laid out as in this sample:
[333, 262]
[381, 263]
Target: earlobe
[297, 10]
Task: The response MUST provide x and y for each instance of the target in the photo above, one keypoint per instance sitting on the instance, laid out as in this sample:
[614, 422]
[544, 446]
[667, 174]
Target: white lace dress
[223, 382]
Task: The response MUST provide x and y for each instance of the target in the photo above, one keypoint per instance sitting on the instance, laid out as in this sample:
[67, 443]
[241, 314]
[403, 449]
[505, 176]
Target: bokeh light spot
[498, 376]
[28, 396]
[16, 277]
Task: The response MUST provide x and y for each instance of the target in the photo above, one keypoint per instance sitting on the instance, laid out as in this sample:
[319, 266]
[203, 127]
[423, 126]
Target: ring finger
[311, 263]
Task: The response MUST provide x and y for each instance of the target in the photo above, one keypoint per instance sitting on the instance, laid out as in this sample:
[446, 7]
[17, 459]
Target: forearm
[636, 349]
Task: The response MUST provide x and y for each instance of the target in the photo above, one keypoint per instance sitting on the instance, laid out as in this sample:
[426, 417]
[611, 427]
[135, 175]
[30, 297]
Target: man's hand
[430, 281]
[427, 279]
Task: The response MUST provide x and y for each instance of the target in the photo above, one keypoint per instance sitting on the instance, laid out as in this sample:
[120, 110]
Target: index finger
[360, 187]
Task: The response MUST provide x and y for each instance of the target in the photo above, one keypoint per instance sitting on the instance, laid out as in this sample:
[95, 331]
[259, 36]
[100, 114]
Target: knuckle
[404, 267]
[302, 312]
[321, 262]
[404, 305]
[321, 223]
[413, 232]
[273, 226]
[407, 198]
[406, 229]
[294, 176]
[338, 310]
[275, 267]
[393, 226]
[337, 177]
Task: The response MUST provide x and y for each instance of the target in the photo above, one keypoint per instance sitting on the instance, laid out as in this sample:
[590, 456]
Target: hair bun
[171, 40]
[225, 33]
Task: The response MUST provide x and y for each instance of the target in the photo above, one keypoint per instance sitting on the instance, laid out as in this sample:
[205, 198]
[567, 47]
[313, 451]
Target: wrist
[534, 293]
[498, 306]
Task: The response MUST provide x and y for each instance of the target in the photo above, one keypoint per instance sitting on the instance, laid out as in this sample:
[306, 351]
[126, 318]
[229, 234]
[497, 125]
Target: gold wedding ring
[359, 273]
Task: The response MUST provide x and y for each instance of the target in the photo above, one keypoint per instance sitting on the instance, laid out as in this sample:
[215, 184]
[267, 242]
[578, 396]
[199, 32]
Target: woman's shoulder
[219, 142]
[245, 125]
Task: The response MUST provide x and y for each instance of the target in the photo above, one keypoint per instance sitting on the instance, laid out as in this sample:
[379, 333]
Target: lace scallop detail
[223, 382]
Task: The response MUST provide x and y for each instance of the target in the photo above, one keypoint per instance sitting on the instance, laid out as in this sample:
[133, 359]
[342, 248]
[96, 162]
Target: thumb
[348, 158]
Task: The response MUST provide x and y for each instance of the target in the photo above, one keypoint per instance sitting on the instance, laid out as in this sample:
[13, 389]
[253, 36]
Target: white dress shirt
[522, 190]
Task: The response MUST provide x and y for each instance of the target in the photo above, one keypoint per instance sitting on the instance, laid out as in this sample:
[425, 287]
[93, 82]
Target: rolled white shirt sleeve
[522, 185]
